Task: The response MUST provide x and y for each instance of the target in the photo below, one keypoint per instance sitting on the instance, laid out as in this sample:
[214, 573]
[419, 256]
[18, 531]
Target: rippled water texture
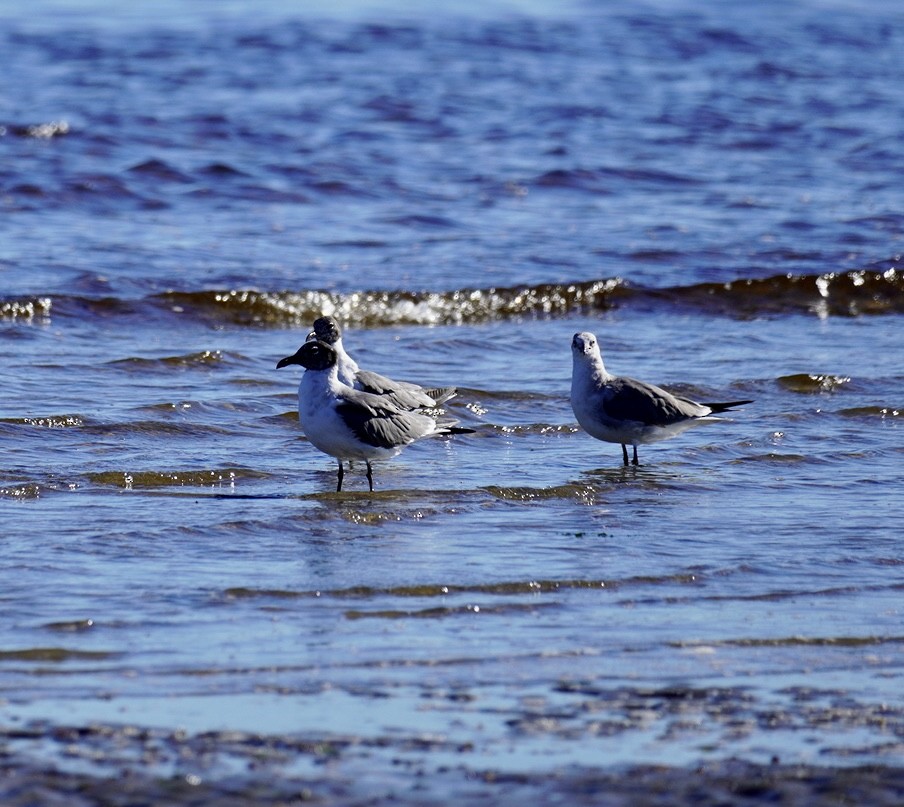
[192, 615]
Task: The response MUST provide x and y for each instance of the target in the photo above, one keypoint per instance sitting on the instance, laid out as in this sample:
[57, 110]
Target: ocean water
[713, 189]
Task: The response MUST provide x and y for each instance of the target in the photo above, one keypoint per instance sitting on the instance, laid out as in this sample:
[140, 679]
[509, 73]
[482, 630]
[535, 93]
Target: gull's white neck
[588, 372]
[316, 388]
[346, 365]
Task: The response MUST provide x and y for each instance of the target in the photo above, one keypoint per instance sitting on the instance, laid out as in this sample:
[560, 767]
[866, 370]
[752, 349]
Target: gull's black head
[326, 329]
[312, 355]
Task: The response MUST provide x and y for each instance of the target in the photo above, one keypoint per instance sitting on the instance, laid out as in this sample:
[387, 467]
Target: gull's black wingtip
[726, 406]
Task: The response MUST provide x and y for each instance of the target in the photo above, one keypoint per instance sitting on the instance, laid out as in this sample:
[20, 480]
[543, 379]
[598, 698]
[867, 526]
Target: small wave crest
[385, 308]
[40, 131]
[829, 294]
[26, 309]
[48, 421]
[813, 382]
[202, 358]
[27, 490]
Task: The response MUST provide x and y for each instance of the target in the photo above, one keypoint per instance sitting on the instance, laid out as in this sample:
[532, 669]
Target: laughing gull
[402, 393]
[349, 424]
[623, 410]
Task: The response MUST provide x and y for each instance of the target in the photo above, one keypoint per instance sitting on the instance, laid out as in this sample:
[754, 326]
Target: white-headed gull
[623, 410]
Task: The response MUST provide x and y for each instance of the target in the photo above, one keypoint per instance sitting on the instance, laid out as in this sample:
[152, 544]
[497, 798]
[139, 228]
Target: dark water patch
[169, 407]
[768, 596]
[207, 408]
[881, 412]
[88, 309]
[217, 477]
[25, 309]
[777, 458]
[221, 170]
[421, 220]
[267, 194]
[157, 428]
[812, 382]
[655, 256]
[159, 170]
[24, 196]
[575, 178]
[791, 594]
[502, 588]
[111, 187]
[441, 612]
[358, 243]
[798, 641]
[55, 654]
[338, 187]
[70, 626]
[646, 176]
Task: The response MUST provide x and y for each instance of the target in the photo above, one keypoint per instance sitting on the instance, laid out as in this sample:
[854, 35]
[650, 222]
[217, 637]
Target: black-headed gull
[349, 424]
[401, 393]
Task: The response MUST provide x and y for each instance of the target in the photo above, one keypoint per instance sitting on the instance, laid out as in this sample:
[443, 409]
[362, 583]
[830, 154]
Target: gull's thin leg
[341, 474]
[634, 461]
[624, 449]
[370, 476]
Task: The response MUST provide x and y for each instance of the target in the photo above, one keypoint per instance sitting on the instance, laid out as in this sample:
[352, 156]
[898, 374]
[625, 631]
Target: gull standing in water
[402, 393]
[349, 424]
[623, 410]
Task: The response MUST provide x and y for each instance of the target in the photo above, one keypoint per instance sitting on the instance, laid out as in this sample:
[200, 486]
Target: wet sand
[725, 783]
[42, 762]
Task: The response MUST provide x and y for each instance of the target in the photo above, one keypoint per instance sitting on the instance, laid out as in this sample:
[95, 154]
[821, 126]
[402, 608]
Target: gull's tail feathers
[441, 394]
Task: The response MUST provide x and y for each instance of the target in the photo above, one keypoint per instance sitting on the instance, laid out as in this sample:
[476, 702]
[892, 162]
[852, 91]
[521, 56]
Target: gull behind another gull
[349, 424]
[402, 393]
[623, 410]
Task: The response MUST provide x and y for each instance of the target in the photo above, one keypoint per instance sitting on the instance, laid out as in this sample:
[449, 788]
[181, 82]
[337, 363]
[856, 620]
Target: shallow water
[713, 192]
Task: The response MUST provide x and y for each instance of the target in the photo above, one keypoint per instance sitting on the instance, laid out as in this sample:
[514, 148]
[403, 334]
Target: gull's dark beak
[293, 359]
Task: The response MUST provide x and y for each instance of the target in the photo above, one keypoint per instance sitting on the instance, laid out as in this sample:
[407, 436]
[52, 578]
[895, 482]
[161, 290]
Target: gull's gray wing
[630, 399]
[380, 424]
[402, 393]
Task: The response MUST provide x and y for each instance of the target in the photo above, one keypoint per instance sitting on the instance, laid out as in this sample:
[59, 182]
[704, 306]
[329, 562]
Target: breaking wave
[853, 293]
[830, 294]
